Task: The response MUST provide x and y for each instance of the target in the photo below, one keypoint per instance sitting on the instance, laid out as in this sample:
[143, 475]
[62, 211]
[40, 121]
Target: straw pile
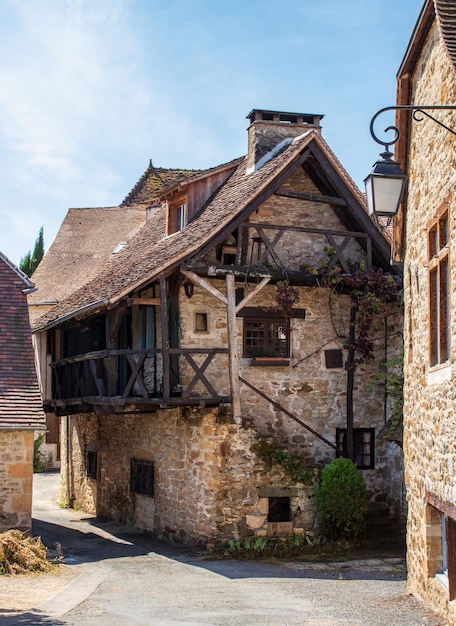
[21, 554]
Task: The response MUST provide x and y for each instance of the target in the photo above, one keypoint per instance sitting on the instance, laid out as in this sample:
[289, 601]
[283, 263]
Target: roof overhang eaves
[89, 308]
[420, 30]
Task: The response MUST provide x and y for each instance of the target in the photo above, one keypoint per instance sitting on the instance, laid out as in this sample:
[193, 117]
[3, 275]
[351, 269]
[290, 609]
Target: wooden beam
[146, 301]
[312, 197]
[165, 338]
[257, 201]
[205, 284]
[252, 294]
[232, 344]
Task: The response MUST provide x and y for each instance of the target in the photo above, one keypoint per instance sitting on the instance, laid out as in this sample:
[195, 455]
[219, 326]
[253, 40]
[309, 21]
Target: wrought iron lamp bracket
[418, 114]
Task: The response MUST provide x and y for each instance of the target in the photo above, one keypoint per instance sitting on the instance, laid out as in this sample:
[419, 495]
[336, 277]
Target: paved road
[126, 578]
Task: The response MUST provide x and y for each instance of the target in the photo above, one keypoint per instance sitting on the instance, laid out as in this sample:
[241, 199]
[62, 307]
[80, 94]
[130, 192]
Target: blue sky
[91, 90]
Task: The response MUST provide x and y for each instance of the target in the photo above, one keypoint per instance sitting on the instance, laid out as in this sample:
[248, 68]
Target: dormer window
[177, 216]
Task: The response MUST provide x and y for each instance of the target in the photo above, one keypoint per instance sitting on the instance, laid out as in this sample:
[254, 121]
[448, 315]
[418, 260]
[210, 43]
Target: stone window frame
[440, 517]
[360, 441]
[439, 287]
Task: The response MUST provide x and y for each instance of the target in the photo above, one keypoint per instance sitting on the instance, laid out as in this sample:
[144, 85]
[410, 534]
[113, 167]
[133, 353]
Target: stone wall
[306, 387]
[430, 427]
[16, 476]
[209, 486]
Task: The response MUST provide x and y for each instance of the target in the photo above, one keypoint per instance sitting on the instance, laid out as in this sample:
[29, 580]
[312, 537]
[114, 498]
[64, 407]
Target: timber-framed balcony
[139, 380]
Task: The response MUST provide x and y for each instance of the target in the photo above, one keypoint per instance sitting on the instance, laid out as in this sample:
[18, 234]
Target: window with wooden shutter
[439, 322]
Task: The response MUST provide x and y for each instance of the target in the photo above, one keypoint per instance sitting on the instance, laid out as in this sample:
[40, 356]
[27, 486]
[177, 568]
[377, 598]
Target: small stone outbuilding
[21, 408]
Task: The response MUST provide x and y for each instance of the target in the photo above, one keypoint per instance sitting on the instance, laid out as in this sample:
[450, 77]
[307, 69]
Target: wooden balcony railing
[137, 377]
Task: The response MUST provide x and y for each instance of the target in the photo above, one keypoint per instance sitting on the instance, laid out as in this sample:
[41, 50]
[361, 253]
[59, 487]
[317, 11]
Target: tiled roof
[149, 253]
[446, 13]
[153, 182]
[20, 400]
[83, 245]
[157, 181]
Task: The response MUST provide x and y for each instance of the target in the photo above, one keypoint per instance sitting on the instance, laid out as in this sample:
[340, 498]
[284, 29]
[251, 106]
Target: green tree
[30, 261]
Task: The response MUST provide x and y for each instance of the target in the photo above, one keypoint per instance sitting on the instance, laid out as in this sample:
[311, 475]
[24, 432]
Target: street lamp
[386, 181]
[384, 186]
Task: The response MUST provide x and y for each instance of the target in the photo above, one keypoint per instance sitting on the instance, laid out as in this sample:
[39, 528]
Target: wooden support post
[350, 383]
[232, 341]
[165, 338]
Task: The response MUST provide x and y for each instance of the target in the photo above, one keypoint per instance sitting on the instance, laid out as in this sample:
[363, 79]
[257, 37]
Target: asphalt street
[124, 577]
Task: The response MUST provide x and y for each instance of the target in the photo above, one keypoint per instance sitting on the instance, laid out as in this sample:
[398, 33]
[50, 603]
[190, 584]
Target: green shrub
[39, 459]
[341, 500]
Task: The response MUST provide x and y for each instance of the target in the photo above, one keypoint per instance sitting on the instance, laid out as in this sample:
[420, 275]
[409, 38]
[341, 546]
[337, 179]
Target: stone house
[21, 407]
[425, 237]
[203, 346]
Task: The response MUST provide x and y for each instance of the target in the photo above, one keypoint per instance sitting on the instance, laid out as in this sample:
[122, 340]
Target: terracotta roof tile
[20, 400]
[446, 14]
[153, 182]
[82, 247]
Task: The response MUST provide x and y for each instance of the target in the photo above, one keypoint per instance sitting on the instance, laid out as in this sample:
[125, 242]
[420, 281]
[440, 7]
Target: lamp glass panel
[386, 193]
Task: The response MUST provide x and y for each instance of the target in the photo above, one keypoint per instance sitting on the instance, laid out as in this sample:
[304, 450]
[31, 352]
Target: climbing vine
[373, 293]
[294, 467]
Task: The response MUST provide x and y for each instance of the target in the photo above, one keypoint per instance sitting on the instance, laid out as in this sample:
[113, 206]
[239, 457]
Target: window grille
[142, 477]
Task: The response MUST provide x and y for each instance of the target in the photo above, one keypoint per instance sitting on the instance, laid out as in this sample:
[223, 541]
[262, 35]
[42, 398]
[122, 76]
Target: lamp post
[386, 181]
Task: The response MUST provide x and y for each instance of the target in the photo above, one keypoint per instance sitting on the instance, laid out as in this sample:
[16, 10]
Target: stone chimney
[270, 131]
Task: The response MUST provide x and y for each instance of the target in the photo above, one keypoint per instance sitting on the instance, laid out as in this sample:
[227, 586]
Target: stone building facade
[426, 239]
[21, 409]
[174, 367]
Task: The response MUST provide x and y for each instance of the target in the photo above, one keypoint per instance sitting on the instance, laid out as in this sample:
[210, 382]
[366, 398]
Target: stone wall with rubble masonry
[305, 387]
[209, 486]
[16, 476]
[430, 427]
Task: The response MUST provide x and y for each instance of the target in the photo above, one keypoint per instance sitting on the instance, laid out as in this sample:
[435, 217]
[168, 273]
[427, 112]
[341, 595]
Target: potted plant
[49, 460]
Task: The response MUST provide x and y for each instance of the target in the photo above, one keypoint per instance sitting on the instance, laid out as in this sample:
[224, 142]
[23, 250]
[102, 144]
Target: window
[177, 217]
[279, 509]
[364, 446]
[91, 464]
[333, 359]
[266, 337]
[438, 253]
[441, 542]
[142, 477]
[201, 325]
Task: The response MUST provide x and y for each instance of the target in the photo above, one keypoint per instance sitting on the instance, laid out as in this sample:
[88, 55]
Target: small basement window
[142, 477]
[279, 509]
